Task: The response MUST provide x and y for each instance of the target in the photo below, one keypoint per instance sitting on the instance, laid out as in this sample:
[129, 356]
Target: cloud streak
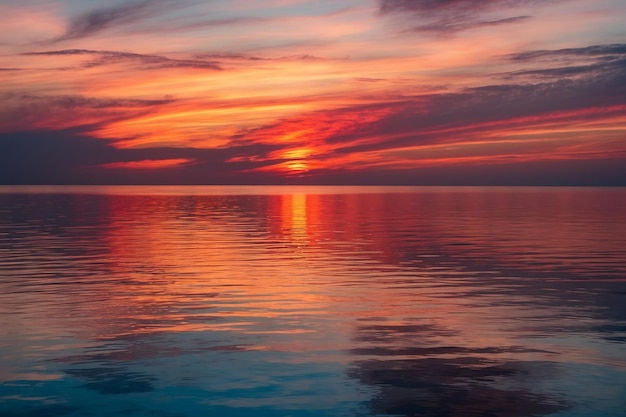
[100, 58]
[24, 112]
[99, 20]
[596, 60]
[617, 49]
[452, 6]
[452, 16]
[461, 23]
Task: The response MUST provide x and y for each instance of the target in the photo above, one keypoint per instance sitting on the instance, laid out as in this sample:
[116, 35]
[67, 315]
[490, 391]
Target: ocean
[312, 301]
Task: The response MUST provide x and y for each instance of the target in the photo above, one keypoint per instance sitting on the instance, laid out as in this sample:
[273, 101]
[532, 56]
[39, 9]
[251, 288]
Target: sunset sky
[490, 92]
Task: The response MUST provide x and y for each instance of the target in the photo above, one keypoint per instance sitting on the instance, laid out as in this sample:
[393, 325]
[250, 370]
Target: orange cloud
[148, 164]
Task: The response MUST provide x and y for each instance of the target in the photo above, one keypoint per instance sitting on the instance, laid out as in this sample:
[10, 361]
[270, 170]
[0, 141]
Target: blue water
[312, 301]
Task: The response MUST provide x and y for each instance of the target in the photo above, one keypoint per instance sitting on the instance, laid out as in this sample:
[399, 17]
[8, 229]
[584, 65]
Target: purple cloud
[451, 16]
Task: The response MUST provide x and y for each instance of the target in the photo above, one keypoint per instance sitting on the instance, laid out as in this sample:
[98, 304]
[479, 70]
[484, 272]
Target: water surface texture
[319, 301]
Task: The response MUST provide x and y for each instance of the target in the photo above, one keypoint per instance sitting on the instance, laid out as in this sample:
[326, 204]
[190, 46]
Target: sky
[425, 92]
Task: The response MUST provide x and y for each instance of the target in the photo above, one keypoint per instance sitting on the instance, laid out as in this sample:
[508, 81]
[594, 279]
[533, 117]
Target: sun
[297, 167]
[296, 160]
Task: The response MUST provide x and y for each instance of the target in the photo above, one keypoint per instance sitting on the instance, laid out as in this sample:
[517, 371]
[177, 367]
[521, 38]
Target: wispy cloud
[583, 61]
[146, 61]
[210, 61]
[451, 6]
[566, 72]
[618, 49]
[23, 111]
[451, 16]
[244, 57]
[459, 23]
[98, 20]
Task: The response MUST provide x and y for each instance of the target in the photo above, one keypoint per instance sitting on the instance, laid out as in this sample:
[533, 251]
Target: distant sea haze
[312, 301]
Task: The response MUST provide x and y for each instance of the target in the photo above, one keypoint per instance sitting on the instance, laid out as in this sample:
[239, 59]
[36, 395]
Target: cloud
[147, 61]
[24, 112]
[92, 22]
[457, 24]
[450, 6]
[244, 57]
[566, 72]
[451, 16]
[618, 49]
[227, 56]
[67, 156]
[148, 16]
[584, 61]
[80, 101]
[149, 164]
[481, 113]
[210, 61]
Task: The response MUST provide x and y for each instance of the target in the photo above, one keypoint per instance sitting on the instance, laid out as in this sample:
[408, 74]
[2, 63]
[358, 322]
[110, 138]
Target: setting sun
[297, 166]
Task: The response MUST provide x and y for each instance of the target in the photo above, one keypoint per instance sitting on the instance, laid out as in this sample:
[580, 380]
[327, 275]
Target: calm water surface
[320, 301]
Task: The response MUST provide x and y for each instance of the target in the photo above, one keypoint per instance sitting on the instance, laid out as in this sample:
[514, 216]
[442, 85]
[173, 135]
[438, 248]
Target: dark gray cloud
[100, 58]
[460, 23]
[451, 6]
[470, 111]
[594, 60]
[70, 157]
[23, 111]
[618, 49]
[80, 101]
[568, 71]
[126, 13]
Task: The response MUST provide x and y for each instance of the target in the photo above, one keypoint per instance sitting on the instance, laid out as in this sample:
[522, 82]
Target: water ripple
[320, 301]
